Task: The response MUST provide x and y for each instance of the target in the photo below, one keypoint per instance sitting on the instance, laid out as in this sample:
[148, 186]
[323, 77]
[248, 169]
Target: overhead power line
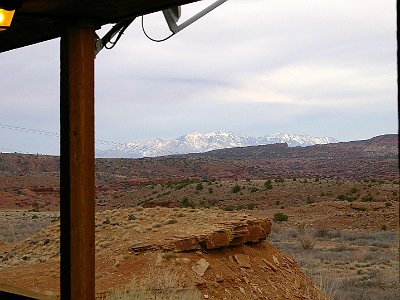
[29, 130]
[50, 133]
[55, 134]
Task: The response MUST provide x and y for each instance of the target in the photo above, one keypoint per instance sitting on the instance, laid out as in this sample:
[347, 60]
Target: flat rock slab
[200, 267]
[243, 260]
[223, 229]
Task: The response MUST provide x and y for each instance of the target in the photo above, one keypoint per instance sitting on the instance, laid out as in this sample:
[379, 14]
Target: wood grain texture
[77, 163]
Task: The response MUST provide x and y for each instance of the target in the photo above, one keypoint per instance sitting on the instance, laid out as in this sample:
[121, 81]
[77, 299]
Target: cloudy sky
[254, 67]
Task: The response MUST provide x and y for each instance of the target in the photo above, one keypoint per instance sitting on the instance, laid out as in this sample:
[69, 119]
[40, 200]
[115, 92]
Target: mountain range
[357, 160]
[198, 142]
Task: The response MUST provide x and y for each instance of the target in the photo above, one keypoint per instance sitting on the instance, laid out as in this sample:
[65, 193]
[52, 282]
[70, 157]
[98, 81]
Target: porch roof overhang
[42, 20]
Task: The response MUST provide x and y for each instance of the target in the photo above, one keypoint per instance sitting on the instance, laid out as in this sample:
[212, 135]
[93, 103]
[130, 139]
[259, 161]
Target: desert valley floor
[258, 223]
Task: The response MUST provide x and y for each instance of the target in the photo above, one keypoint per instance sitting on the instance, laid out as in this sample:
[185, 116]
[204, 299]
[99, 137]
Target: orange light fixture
[6, 17]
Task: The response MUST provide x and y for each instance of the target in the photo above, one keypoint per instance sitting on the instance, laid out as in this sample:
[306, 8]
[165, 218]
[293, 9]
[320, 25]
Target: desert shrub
[347, 197]
[301, 228]
[367, 198]
[180, 184]
[199, 186]
[327, 284]
[333, 234]
[353, 190]
[280, 217]
[253, 189]
[229, 208]
[251, 206]
[131, 217]
[268, 185]
[292, 233]
[210, 190]
[307, 242]
[236, 188]
[340, 247]
[185, 202]
[321, 231]
[341, 197]
[212, 202]
[310, 200]
[351, 198]
[279, 179]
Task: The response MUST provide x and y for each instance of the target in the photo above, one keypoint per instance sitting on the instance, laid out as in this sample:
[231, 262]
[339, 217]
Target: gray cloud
[253, 67]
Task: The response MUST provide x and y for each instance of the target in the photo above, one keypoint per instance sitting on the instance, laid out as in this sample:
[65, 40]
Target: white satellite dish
[173, 14]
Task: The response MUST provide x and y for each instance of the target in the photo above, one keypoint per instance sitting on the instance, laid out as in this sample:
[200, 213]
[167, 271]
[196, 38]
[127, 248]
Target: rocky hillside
[15, 163]
[208, 253]
[373, 158]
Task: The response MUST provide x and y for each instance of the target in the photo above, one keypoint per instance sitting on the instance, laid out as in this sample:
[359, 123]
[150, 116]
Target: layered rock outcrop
[224, 234]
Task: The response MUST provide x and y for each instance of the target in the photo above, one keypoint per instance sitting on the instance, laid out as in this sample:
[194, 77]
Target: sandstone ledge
[140, 229]
[227, 233]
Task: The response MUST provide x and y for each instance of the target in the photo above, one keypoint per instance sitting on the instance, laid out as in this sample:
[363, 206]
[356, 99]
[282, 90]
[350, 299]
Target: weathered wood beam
[77, 162]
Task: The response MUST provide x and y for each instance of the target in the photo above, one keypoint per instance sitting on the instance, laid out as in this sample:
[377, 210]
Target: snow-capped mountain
[294, 140]
[198, 142]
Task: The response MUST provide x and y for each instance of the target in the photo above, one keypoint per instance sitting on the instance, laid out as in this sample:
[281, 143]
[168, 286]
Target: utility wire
[49, 133]
[150, 38]
[29, 130]
[55, 134]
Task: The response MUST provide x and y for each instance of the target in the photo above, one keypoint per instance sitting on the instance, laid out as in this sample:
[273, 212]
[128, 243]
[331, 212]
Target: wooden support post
[77, 163]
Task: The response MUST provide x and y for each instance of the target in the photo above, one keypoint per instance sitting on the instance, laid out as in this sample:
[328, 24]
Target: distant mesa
[375, 158]
[198, 142]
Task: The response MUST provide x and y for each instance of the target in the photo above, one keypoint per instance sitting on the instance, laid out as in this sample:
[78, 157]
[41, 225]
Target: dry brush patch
[346, 264]
[18, 225]
[366, 257]
[165, 284]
